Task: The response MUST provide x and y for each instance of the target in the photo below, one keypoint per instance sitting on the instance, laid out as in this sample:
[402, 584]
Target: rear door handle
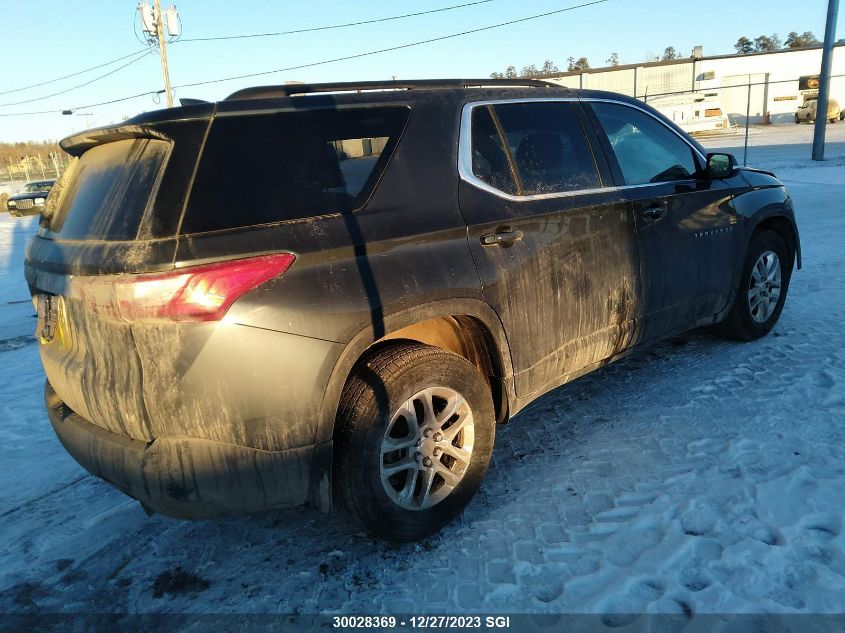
[505, 237]
[655, 212]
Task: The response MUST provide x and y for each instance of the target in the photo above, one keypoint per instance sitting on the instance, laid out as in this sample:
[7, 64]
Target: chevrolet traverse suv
[330, 294]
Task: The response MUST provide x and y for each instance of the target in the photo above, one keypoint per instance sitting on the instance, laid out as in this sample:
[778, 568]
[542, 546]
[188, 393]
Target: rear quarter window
[261, 169]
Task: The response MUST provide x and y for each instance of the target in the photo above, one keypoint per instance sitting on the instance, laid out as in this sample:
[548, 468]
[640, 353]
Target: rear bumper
[190, 478]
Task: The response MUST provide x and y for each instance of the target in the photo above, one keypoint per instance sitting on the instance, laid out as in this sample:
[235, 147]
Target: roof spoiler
[78, 144]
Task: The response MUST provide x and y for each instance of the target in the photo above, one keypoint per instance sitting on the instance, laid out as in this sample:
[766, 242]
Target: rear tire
[399, 398]
[762, 290]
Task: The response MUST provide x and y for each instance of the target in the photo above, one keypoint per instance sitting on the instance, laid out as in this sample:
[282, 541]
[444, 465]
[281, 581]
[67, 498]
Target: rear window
[261, 169]
[109, 190]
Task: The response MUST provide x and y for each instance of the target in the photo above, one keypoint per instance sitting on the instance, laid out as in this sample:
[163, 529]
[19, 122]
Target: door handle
[655, 212]
[504, 237]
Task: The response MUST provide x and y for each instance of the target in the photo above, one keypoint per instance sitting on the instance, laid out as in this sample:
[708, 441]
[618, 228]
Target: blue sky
[57, 37]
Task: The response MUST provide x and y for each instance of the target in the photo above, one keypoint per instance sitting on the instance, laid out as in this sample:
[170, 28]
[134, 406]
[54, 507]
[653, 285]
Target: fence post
[55, 163]
[747, 122]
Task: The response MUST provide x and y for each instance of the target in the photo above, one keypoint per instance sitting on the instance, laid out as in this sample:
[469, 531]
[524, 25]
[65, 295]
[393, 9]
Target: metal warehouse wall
[728, 75]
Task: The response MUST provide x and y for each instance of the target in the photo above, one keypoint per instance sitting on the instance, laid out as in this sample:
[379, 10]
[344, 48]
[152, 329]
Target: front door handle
[505, 237]
[654, 213]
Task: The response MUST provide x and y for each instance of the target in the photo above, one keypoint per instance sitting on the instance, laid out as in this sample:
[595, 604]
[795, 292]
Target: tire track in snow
[17, 342]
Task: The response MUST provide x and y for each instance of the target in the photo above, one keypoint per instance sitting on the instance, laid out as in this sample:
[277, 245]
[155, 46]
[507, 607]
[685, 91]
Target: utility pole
[153, 23]
[824, 80]
[162, 47]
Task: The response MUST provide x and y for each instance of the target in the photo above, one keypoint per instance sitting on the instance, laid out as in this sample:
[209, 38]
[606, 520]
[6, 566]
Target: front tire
[762, 290]
[413, 439]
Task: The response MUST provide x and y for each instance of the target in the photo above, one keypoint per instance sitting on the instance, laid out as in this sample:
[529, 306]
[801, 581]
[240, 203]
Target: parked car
[30, 199]
[421, 262]
[807, 111]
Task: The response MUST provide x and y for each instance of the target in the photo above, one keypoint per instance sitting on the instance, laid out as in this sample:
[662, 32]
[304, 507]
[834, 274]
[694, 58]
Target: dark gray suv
[331, 294]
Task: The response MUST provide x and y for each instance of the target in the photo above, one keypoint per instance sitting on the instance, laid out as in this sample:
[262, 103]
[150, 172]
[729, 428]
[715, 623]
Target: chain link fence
[753, 116]
[758, 120]
[34, 167]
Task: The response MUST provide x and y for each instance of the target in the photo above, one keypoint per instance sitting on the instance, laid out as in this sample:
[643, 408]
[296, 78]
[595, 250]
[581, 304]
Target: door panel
[685, 221]
[564, 279]
[686, 254]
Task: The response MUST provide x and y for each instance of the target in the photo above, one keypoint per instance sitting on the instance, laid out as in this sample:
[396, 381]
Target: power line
[79, 72]
[83, 107]
[82, 85]
[233, 37]
[325, 61]
[47, 14]
[334, 26]
[393, 48]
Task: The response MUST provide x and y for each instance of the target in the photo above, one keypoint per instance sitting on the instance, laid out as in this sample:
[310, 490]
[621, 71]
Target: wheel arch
[783, 225]
[467, 327]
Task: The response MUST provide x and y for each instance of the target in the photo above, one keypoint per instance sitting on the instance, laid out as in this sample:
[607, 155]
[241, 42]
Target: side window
[267, 168]
[490, 162]
[545, 150]
[647, 150]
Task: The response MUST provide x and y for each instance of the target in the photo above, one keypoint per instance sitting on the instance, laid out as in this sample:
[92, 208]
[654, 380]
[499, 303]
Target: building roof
[683, 60]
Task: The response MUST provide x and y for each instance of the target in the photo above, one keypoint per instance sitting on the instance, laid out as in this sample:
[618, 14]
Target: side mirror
[721, 165]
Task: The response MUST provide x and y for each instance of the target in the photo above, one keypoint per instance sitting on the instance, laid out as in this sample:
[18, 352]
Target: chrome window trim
[465, 148]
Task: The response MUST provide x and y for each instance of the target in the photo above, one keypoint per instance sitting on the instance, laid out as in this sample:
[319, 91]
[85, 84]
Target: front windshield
[35, 187]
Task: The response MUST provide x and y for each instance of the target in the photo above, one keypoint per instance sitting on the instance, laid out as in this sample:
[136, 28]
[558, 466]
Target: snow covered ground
[700, 476]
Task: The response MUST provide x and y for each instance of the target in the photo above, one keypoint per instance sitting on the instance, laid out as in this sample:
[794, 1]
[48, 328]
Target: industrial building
[759, 87]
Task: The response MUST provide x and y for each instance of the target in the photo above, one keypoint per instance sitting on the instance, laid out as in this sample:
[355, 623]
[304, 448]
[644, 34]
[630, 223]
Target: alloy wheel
[427, 448]
[764, 286]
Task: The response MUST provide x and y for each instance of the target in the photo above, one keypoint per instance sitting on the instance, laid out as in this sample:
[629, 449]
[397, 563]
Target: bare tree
[578, 64]
[613, 60]
[510, 72]
[529, 71]
[793, 40]
[767, 43]
[549, 68]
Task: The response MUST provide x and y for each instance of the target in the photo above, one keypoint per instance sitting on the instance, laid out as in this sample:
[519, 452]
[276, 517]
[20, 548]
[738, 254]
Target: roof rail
[288, 90]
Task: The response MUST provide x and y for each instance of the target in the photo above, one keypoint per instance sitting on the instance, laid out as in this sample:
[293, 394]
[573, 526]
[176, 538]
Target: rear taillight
[196, 293]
